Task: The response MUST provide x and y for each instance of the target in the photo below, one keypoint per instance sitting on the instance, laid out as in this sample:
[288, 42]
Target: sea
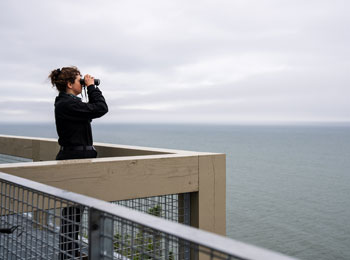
[287, 186]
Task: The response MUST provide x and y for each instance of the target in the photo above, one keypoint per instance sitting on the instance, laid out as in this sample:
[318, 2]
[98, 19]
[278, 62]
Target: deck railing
[110, 232]
[128, 172]
[182, 186]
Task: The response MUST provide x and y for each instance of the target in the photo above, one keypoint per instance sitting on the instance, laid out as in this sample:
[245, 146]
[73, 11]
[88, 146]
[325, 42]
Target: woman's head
[61, 77]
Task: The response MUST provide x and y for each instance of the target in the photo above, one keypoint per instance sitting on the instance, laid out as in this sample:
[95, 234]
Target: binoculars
[96, 82]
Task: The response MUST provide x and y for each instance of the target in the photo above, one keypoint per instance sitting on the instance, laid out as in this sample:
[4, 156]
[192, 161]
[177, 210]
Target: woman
[73, 124]
[73, 117]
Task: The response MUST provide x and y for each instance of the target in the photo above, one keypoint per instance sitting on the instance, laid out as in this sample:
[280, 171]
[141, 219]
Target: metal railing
[111, 232]
[123, 172]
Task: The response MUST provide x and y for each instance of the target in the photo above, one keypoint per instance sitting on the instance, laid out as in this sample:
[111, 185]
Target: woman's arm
[74, 109]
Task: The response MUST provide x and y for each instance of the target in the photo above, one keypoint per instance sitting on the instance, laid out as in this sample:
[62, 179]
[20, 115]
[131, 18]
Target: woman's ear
[69, 85]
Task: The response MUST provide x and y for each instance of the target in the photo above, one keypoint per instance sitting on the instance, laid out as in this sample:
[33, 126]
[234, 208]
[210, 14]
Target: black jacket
[73, 117]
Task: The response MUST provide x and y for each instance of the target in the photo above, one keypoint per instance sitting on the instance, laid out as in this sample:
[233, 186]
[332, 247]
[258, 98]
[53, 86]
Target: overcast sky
[219, 61]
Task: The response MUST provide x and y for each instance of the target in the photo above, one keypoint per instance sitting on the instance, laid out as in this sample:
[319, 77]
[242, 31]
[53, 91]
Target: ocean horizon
[287, 187]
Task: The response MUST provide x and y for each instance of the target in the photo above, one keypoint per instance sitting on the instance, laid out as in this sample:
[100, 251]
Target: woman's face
[76, 86]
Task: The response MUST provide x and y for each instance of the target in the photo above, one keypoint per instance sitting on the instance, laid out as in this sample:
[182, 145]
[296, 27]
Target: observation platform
[167, 204]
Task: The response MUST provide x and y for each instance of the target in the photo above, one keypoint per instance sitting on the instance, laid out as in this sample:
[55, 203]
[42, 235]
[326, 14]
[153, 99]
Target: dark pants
[71, 216]
[70, 222]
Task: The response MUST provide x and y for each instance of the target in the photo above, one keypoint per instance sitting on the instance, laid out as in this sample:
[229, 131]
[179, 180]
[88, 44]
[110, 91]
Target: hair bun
[56, 73]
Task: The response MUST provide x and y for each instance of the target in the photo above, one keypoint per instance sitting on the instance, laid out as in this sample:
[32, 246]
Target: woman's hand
[89, 80]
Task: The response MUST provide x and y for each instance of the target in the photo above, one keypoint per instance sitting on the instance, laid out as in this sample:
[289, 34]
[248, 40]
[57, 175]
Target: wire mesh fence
[39, 226]
[173, 207]
[130, 240]
[41, 222]
[35, 225]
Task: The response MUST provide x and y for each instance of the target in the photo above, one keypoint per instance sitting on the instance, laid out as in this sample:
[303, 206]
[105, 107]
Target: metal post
[94, 234]
[100, 236]
[187, 209]
[184, 209]
[107, 238]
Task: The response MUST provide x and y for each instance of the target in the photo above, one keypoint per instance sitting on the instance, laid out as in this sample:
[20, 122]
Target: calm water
[288, 187]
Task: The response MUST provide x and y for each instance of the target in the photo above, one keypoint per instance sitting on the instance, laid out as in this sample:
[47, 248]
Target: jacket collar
[65, 95]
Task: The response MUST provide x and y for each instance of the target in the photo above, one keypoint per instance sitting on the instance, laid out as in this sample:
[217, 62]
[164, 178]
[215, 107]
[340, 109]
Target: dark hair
[61, 77]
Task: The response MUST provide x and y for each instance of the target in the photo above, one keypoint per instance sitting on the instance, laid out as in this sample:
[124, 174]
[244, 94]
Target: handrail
[200, 237]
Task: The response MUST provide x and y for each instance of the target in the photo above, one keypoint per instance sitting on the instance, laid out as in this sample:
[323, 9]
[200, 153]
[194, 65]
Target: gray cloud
[206, 61]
